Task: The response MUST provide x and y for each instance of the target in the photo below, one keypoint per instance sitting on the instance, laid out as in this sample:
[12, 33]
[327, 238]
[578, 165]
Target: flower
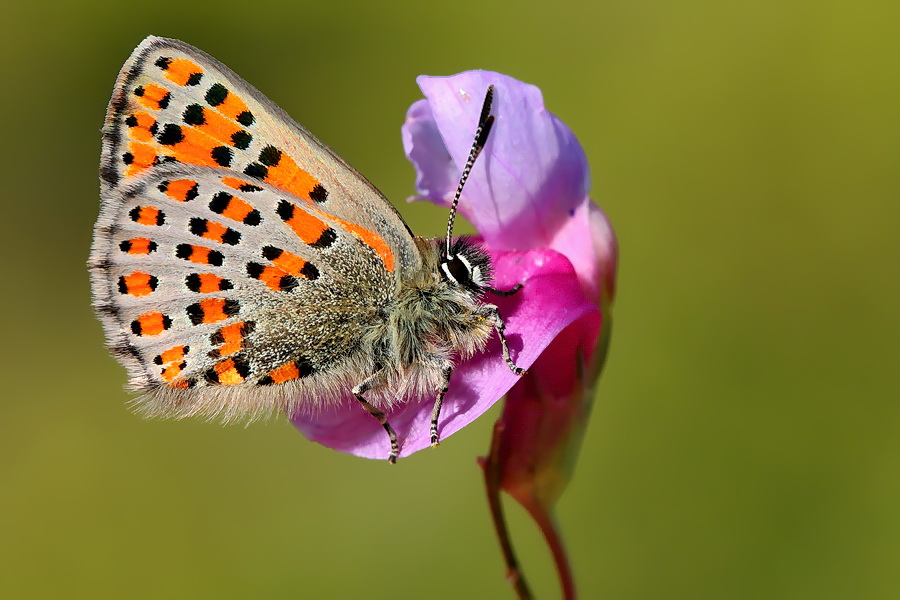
[527, 197]
[531, 195]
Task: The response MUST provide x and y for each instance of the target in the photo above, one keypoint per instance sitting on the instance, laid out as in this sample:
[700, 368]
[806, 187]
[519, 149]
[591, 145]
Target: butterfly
[240, 267]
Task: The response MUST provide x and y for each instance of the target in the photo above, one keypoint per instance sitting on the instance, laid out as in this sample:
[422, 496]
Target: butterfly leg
[436, 411]
[379, 415]
[509, 292]
[493, 314]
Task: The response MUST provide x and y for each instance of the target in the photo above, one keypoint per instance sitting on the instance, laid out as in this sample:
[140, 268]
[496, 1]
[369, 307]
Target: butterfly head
[466, 266]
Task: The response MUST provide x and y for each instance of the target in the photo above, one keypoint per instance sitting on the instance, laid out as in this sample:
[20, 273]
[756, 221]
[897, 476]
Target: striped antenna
[485, 121]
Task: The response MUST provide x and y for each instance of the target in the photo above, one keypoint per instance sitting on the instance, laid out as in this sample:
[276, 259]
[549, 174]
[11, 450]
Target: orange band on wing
[228, 372]
[289, 371]
[214, 231]
[150, 323]
[182, 71]
[233, 107]
[212, 310]
[230, 338]
[284, 260]
[217, 126]
[139, 157]
[141, 126]
[278, 169]
[137, 284]
[282, 277]
[288, 176]
[180, 190]
[235, 209]
[284, 373]
[174, 354]
[307, 227]
[173, 370]
[207, 283]
[190, 145]
[138, 245]
[199, 254]
[147, 215]
[153, 96]
[275, 279]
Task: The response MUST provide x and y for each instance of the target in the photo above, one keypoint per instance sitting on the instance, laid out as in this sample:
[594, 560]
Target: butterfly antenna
[485, 122]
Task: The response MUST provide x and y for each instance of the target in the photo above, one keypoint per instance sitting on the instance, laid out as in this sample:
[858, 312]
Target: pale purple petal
[532, 174]
[436, 175]
[550, 300]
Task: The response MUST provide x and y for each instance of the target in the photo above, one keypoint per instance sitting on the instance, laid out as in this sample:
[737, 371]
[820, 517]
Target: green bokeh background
[745, 442]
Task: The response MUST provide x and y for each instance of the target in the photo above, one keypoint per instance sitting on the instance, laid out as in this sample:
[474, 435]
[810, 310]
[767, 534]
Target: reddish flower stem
[492, 484]
[550, 530]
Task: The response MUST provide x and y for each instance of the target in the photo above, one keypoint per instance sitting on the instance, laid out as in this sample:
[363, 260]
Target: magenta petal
[532, 175]
[550, 300]
[544, 409]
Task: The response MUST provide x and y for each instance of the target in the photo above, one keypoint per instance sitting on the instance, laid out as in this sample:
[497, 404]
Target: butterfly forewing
[173, 102]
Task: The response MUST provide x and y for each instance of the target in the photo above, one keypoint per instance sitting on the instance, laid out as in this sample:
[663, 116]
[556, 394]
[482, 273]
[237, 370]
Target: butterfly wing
[237, 261]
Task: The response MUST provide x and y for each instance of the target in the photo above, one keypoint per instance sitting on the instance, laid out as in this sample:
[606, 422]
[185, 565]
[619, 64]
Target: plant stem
[550, 530]
[492, 484]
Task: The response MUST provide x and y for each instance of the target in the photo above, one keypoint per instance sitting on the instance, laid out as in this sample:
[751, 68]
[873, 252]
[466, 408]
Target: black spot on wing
[318, 193]
[325, 240]
[245, 118]
[170, 135]
[193, 115]
[270, 156]
[216, 94]
[222, 155]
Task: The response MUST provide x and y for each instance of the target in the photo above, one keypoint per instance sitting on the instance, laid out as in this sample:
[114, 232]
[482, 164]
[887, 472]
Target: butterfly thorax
[434, 318]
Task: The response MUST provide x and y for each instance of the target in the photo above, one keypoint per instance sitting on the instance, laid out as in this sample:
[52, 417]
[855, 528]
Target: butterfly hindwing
[215, 290]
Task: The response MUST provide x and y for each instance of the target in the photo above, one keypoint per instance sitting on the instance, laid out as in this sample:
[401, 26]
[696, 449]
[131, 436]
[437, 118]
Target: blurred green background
[745, 442]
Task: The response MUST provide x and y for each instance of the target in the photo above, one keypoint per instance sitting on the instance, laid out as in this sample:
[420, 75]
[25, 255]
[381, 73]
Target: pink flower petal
[587, 239]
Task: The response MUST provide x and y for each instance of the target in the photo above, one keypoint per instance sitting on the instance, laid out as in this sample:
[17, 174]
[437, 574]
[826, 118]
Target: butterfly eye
[457, 270]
